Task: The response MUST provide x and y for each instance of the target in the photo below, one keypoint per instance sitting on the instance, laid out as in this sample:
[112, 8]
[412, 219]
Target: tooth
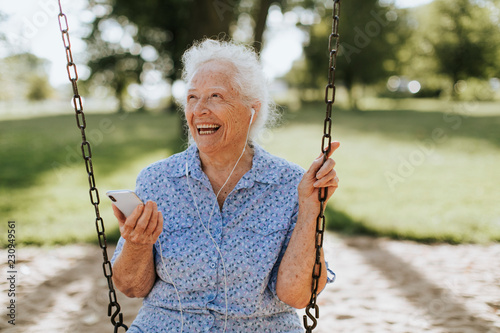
[207, 126]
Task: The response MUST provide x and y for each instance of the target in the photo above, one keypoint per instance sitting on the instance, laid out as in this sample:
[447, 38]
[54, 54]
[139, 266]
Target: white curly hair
[249, 79]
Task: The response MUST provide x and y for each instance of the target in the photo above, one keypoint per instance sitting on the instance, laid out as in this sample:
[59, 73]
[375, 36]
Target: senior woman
[226, 239]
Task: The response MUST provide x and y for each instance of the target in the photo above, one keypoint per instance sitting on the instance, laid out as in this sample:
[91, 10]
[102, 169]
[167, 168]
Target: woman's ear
[255, 108]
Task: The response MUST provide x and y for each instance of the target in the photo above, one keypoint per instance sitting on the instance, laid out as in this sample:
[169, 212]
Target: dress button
[211, 320]
[212, 265]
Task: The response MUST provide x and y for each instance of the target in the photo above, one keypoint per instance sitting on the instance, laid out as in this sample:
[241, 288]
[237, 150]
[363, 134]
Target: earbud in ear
[253, 112]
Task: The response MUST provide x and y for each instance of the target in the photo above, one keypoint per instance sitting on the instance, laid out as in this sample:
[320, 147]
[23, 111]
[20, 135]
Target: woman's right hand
[143, 226]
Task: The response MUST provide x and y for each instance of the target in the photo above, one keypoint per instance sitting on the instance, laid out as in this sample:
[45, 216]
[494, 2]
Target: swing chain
[333, 46]
[87, 156]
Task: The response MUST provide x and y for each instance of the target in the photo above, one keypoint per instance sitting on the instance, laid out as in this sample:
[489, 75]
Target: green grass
[447, 191]
[398, 179]
[44, 181]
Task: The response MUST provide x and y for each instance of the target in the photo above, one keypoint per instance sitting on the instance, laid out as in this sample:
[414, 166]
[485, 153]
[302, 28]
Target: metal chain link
[114, 309]
[333, 46]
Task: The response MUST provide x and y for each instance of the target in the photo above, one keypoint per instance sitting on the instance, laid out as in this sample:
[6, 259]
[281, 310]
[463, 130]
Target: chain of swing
[114, 309]
[333, 45]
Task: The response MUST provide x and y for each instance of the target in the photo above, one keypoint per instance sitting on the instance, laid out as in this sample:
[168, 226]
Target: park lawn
[47, 189]
[427, 176]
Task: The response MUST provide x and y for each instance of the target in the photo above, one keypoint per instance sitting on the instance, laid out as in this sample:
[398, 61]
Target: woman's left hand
[319, 175]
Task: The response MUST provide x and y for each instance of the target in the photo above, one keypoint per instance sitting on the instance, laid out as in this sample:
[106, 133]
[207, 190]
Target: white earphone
[208, 231]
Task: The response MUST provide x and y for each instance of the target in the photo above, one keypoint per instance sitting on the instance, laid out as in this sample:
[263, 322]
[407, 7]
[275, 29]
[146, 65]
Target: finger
[119, 215]
[131, 220]
[334, 182]
[327, 180]
[333, 147]
[325, 169]
[318, 162]
[315, 165]
[333, 187]
[148, 213]
[159, 226]
[153, 223]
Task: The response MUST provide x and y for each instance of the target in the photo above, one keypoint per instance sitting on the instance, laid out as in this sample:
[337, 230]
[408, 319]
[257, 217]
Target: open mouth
[206, 129]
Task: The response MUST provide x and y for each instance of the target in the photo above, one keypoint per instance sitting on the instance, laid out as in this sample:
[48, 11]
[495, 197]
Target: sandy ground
[382, 286]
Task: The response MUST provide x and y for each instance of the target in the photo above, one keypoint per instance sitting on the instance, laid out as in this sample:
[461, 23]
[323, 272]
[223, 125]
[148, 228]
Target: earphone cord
[208, 231]
[211, 214]
[215, 244]
[175, 287]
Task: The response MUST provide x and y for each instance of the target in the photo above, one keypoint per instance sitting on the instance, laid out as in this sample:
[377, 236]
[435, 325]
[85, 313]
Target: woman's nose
[201, 107]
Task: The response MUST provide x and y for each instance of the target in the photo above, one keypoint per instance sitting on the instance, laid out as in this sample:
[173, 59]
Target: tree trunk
[349, 84]
[211, 18]
[260, 19]
[119, 94]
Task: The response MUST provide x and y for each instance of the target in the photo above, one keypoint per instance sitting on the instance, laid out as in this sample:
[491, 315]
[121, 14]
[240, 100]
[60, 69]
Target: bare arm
[134, 271]
[295, 272]
[294, 282]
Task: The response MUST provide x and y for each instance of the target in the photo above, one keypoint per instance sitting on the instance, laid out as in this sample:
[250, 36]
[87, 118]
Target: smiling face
[217, 117]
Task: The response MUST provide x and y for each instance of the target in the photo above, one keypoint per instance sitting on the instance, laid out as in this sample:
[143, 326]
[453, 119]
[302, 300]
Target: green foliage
[24, 76]
[370, 35]
[453, 41]
[437, 44]
[445, 191]
[3, 17]
[465, 37]
[39, 88]
[117, 71]
[43, 183]
[449, 196]
[155, 34]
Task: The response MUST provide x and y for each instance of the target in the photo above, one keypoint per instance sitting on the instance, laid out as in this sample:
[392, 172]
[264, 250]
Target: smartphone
[125, 200]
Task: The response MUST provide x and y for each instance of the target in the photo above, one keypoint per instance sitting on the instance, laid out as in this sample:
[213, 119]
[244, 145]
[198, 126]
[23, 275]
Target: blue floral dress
[217, 269]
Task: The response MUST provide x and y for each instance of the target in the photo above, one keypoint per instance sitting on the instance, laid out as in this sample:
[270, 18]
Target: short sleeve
[118, 250]
[274, 272]
[330, 278]
[139, 185]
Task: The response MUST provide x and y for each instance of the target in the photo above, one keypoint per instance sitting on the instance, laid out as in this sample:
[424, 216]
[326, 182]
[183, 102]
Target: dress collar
[263, 165]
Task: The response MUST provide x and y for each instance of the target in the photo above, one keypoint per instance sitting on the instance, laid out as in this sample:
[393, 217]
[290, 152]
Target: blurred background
[417, 107]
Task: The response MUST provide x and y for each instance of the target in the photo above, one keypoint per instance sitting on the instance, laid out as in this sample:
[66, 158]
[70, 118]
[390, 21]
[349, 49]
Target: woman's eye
[215, 95]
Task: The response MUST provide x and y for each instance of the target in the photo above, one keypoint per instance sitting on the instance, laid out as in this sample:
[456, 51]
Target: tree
[155, 33]
[24, 76]
[370, 34]
[39, 88]
[3, 39]
[465, 37]
[415, 57]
